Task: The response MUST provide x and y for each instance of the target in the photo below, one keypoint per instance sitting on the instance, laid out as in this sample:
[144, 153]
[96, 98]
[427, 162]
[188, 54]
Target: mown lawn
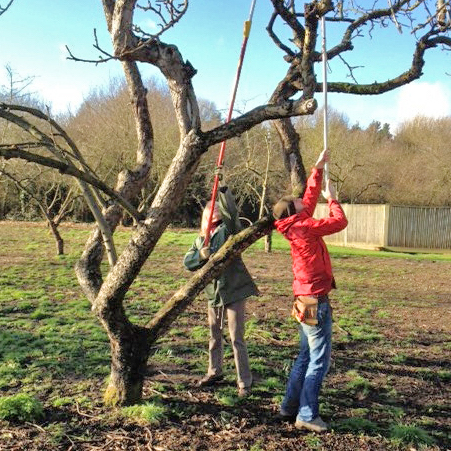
[388, 388]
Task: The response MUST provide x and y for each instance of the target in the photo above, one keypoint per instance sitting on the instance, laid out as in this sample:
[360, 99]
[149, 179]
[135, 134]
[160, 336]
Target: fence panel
[420, 227]
[367, 225]
[374, 226]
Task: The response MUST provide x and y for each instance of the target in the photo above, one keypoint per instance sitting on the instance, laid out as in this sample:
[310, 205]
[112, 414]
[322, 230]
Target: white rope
[324, 53]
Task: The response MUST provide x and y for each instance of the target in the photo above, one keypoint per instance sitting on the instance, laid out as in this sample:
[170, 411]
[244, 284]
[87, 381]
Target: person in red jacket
[313, 280]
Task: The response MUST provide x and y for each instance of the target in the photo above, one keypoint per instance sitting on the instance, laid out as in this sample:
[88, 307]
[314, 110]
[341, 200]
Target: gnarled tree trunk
[129, 354]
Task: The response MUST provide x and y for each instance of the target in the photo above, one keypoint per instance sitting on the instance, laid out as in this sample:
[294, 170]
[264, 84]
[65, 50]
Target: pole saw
[325, 130]
[220, 161]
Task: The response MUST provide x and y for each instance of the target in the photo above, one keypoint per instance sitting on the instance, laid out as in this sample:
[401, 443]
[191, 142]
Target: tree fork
[131, 345]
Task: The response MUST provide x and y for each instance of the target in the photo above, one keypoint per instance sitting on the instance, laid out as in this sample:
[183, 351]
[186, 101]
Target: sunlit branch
[107, 56]
[168, 9]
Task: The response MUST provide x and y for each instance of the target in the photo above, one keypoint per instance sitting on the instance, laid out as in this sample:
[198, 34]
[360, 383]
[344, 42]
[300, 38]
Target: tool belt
[305, 308]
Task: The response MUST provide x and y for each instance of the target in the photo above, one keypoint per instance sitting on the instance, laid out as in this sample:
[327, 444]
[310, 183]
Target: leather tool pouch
[305, 310]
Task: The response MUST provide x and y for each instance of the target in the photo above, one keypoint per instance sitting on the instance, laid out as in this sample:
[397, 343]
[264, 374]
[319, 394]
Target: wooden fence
[376, 226]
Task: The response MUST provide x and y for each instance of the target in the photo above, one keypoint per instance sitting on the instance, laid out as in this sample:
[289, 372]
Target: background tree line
[370, 165]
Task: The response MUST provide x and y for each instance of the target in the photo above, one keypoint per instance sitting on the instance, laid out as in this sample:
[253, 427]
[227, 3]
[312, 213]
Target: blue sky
[210, 37]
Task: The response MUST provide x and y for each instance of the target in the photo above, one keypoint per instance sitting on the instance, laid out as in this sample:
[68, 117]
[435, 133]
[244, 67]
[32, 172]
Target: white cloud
[150, 25]
[422, 99]
[60, 97]
[394, 107]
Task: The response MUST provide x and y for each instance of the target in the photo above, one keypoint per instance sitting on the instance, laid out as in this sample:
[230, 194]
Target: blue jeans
[310, 367]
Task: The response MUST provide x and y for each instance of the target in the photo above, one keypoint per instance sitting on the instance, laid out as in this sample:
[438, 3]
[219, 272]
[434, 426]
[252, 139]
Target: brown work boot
[210, 379]
[316, 425]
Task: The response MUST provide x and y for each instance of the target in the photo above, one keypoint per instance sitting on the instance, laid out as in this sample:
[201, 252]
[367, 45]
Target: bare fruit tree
[293, 96]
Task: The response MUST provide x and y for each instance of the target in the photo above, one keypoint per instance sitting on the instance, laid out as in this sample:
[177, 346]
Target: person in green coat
[227, 294]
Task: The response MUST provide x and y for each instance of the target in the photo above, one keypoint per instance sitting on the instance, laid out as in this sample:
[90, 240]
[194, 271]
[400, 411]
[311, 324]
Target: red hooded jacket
[311, 262]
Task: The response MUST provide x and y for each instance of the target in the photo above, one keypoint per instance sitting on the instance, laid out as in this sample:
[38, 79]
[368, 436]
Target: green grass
[149, 412]
[200, 333]
[20, 407]
[410, 435]
[258, 446]
[279, 243]
[357, 426]
[54, 351]
[358, 383]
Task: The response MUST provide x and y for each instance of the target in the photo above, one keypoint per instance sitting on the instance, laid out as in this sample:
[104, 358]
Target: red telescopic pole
[220, 161]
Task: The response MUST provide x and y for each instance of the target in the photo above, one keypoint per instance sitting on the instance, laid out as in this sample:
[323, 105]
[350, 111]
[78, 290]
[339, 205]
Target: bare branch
[167, 12]
[258, 115]
[101, 59]
[413, 73]
[64, 161]
[350, 68]
[8, 151]
[270, 29]
[364, 19]
[288, 15]
[3, 9]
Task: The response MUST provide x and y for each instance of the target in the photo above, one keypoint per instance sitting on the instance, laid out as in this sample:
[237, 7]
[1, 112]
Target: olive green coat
[235, 283]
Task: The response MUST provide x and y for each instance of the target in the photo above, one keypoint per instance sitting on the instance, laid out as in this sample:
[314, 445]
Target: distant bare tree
[55, 202]
[44, 189]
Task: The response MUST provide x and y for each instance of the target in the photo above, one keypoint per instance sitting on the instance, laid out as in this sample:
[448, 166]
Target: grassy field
[388, 388]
